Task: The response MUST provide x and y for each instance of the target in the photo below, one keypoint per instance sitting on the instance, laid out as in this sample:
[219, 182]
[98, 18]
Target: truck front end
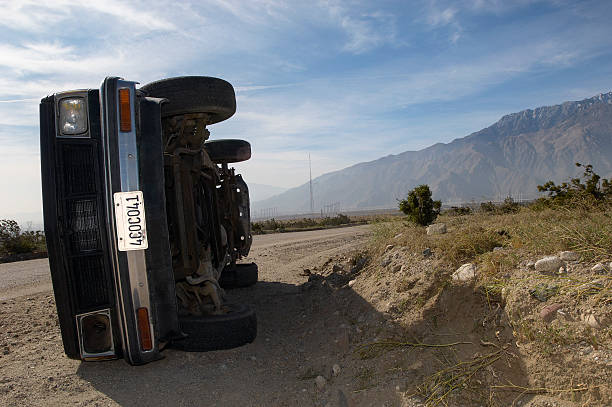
[105, 220]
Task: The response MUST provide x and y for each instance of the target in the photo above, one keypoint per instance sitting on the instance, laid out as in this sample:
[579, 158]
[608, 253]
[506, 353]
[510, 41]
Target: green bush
[20, 244]
[458, 211]
[487, 207]
[13, 241]
[9, 229]
[509, 206]
[272, 225]
[589, 187]
[337, 220]
[419, 206]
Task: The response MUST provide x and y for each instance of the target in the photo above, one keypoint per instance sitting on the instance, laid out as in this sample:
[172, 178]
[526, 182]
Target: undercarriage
[207, 208]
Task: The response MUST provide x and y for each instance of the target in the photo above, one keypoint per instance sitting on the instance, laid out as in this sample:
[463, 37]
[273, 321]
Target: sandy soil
[24, 278]
[301, 333]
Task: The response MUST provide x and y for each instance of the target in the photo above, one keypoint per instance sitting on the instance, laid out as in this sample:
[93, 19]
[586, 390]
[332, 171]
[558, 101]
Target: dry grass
[373, 349]
[436, 389]
[529, 232]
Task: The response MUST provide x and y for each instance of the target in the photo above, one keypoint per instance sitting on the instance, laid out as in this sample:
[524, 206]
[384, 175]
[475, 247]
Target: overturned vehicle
[146, 223]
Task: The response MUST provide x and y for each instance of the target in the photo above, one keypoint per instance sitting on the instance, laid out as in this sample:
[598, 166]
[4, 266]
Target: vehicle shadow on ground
[303, 330]
[297, 333]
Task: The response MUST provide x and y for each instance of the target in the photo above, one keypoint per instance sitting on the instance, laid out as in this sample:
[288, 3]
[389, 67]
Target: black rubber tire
[216, 332]
[228, 150]
[195, 94]
[239, 276]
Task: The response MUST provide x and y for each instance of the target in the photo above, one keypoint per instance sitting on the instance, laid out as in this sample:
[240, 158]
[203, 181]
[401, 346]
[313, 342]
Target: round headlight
[73, 116]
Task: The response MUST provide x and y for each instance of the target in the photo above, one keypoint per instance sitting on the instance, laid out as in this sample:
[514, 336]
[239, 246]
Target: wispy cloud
[368, 31]
[249, 88]
[254, 12]
[444, 16]
[32, 15]
[19, 100]
[365, 30]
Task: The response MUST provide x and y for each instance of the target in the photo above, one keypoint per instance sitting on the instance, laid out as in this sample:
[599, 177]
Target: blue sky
[346, 81]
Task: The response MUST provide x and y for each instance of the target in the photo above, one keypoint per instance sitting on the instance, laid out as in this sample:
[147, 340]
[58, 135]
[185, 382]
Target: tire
[228, 150]
[217, 332]
[195, 94]
[239, 276]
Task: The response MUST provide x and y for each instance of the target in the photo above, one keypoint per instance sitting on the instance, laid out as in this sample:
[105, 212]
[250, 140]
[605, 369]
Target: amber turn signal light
[125, 112]
[144, 329]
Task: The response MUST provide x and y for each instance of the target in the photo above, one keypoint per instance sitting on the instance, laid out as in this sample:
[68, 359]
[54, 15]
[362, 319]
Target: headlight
[73, 116]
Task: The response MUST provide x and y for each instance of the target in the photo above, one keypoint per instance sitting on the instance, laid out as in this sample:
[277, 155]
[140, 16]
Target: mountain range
[509, 158]
[259, 192]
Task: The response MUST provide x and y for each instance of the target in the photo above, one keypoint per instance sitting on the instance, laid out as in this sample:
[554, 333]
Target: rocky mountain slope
[510, 157]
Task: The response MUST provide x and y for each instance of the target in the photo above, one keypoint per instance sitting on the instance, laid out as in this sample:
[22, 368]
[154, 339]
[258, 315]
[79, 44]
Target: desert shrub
[337, 220]
[13, 241]
[268, 224]
[420, 207]
[458, 211]
[509, 206]
[589, 187]
[273, 225]
[8, 229]
[257, 228]
[487, 207]
[20, 244]
[473, 240]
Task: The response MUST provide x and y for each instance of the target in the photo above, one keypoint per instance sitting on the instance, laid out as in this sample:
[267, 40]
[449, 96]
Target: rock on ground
[550, 264]
[569, 256]
[590, 320]
[466, 272]
[436, 229]
[336, 370]
[549, 312]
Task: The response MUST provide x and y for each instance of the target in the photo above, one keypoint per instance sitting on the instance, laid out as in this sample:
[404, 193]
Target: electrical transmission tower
[311, 198]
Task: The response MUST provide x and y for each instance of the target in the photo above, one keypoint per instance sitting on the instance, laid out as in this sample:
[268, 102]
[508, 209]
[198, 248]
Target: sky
[343, 81]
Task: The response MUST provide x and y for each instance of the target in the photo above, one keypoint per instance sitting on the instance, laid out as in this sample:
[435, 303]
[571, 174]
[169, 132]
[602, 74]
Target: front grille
[83, 225]
[90, 281]
[79, 166]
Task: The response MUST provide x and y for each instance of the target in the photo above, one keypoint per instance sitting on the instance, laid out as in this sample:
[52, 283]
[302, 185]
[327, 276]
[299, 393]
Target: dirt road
[303, 330]
[32, 276]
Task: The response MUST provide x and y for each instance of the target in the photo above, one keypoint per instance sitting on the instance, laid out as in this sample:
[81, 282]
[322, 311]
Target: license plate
[130, 220]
